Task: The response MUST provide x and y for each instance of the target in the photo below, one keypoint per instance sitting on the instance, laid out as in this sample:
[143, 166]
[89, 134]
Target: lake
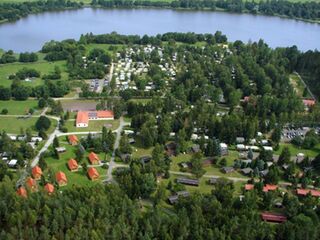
[30, 33]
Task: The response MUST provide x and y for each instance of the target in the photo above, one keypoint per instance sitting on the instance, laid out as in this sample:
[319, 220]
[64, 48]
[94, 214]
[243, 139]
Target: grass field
[95, 125]
[19, 107]
[74, 178]
[295, 150]
[42, 66]
[298, 85]
[14, 125]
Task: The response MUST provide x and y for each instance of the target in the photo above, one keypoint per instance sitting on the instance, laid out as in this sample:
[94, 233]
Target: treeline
[306, 10]
[21, 92]
[9, 57]
[189, 38]
[14, 11]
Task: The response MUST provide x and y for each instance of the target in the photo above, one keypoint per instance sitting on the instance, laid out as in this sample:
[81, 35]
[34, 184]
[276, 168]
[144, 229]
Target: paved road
[112, 164]
[107, 77]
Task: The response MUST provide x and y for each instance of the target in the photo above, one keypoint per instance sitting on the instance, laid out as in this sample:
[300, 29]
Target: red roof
[36, 172]
[246, 98]
[93, 158]
[49, 188]
[105, 114]
[21, 191]
[93, 173]
[249, 187]
[72, 164]
[273, 217]
[304, 192]
[31, 183]
[309, 102]
[82, 117]
[73, 139]
[61, 178]
[269, 187]
[315, 193]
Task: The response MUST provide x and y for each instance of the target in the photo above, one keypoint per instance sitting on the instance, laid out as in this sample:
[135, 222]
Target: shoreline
[168, 8]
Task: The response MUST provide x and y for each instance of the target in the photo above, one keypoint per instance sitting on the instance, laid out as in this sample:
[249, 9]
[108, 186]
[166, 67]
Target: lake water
[30, 33]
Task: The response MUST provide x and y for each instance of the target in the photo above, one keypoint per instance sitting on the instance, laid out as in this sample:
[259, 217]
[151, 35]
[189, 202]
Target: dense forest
[106, 212]
[299, 10]
[14, 11]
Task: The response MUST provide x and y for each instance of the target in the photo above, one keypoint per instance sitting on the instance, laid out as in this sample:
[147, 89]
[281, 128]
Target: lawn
[140, 152]
[211, 170]
[74, 178]
[14, 125]
[298, 85]
[295, 150]
[141, 100]
[105, 47]
[19, 107]
[42, 66]
[94, 125]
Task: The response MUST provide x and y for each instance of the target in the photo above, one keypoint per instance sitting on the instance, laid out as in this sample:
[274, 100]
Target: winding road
[112, 163]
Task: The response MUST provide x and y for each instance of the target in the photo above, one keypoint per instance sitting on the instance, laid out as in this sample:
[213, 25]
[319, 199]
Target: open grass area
[295, 150]
[44, 67]
[106, 47]
[140, 100]
[140, 152]
[14, 125]
[94, 125]
[74, 178]
[298, 85]
[19, 107]
[210, 170]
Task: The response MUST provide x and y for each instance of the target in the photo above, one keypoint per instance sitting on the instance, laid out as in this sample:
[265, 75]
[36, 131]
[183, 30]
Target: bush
[43, 123]
[4, 111]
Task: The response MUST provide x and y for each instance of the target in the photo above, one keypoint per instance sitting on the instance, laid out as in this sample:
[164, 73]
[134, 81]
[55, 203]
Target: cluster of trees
[103, 143]
[21, 92]
[14, 11]
[25, 73]
[308, 65]
[28, 57]
[115, 38]
[79, 67]
[305, 10]
[22, 151]
[9, 57]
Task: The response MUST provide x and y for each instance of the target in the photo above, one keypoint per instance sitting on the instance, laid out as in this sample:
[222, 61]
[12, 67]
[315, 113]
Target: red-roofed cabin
[273, 217]
[21, 191]
[93, 173]
[106, 115]
[49, 188]
[36, 172]
[304, 192]
[315, 193]
[246, 99]
[73, 165]
[61, 178]
[93, 158]
[73, 140]
[32, 184]
[309, 102]
[249, 187]
[269, 187]
[82, 119]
